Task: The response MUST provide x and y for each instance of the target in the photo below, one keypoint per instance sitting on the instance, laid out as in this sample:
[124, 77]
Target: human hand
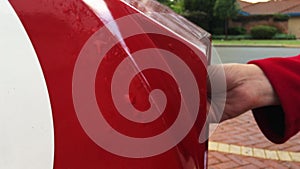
[247, 88]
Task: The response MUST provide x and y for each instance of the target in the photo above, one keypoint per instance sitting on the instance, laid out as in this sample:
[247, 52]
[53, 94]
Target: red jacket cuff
[279, 123]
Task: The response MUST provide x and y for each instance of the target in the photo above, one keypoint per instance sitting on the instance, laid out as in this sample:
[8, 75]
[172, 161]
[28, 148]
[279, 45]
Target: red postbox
[126, 81]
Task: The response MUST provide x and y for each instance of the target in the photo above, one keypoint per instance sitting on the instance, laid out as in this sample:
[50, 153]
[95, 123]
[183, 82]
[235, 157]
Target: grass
[291, 43]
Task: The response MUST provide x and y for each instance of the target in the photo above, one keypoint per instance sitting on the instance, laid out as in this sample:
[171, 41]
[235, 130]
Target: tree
[163, 1]
[190, 5]
[225, 10]
[202, 11]
[200, 5]
[178, 6]
[175, 5]
[207, 6]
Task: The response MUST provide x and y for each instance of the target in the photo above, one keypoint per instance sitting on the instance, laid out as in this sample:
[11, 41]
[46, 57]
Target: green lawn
[291, 43]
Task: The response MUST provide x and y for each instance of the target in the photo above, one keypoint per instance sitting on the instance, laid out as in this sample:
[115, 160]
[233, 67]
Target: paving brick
[295, 148]
[221, 157]
[252, 142]
[244, 132]
[233, 141]
[292, 165]
[226, 165]
[281, 146]
[238, 159]
[212, 161]
[263, 145]
[250, 166]
[257, 162]
[275, 164]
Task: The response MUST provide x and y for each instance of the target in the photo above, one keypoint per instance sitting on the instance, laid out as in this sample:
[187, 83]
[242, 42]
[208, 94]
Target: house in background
[263, 14]
[244, 4]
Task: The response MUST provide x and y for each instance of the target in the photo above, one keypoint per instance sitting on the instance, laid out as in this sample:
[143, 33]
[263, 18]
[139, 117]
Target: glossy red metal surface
[58, 30]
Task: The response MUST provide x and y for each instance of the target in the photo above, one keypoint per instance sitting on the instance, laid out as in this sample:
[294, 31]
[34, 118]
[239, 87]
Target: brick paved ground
[243, 131]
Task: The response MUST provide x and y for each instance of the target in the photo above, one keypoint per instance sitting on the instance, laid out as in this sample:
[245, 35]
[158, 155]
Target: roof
[243, 4]
[272, 7]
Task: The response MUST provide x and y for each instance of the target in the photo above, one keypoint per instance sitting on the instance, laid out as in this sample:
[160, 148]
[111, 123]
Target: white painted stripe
[254, 152]
[26, 127]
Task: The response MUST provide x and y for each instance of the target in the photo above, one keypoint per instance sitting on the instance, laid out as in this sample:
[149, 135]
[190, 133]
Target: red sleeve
[279, 123]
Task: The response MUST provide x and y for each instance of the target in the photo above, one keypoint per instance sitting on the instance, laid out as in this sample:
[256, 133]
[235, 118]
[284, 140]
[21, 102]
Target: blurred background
[243, 31]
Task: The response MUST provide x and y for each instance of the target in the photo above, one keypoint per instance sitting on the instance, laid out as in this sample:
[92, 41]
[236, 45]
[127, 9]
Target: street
[245, 54]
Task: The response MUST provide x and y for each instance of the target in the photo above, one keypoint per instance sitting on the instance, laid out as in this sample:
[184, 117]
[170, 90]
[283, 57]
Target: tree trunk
[226, 27]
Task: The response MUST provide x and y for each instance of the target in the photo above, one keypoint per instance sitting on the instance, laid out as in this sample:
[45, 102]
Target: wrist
[264, 93]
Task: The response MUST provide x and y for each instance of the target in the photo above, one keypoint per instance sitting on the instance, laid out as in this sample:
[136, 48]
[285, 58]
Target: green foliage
[200, 12]
[166, 2]
[281, 17]
[276, 17]
[252, 42]
[190, 5]
[175, 5]
[218, 31]
[231, 37]
[208, 21]
[200, 5]
[225, 9]
[282, 36]
[178, 6]
[197, 17]
[237, 31]
[263, 32]
[250, 18]
[247, 36]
